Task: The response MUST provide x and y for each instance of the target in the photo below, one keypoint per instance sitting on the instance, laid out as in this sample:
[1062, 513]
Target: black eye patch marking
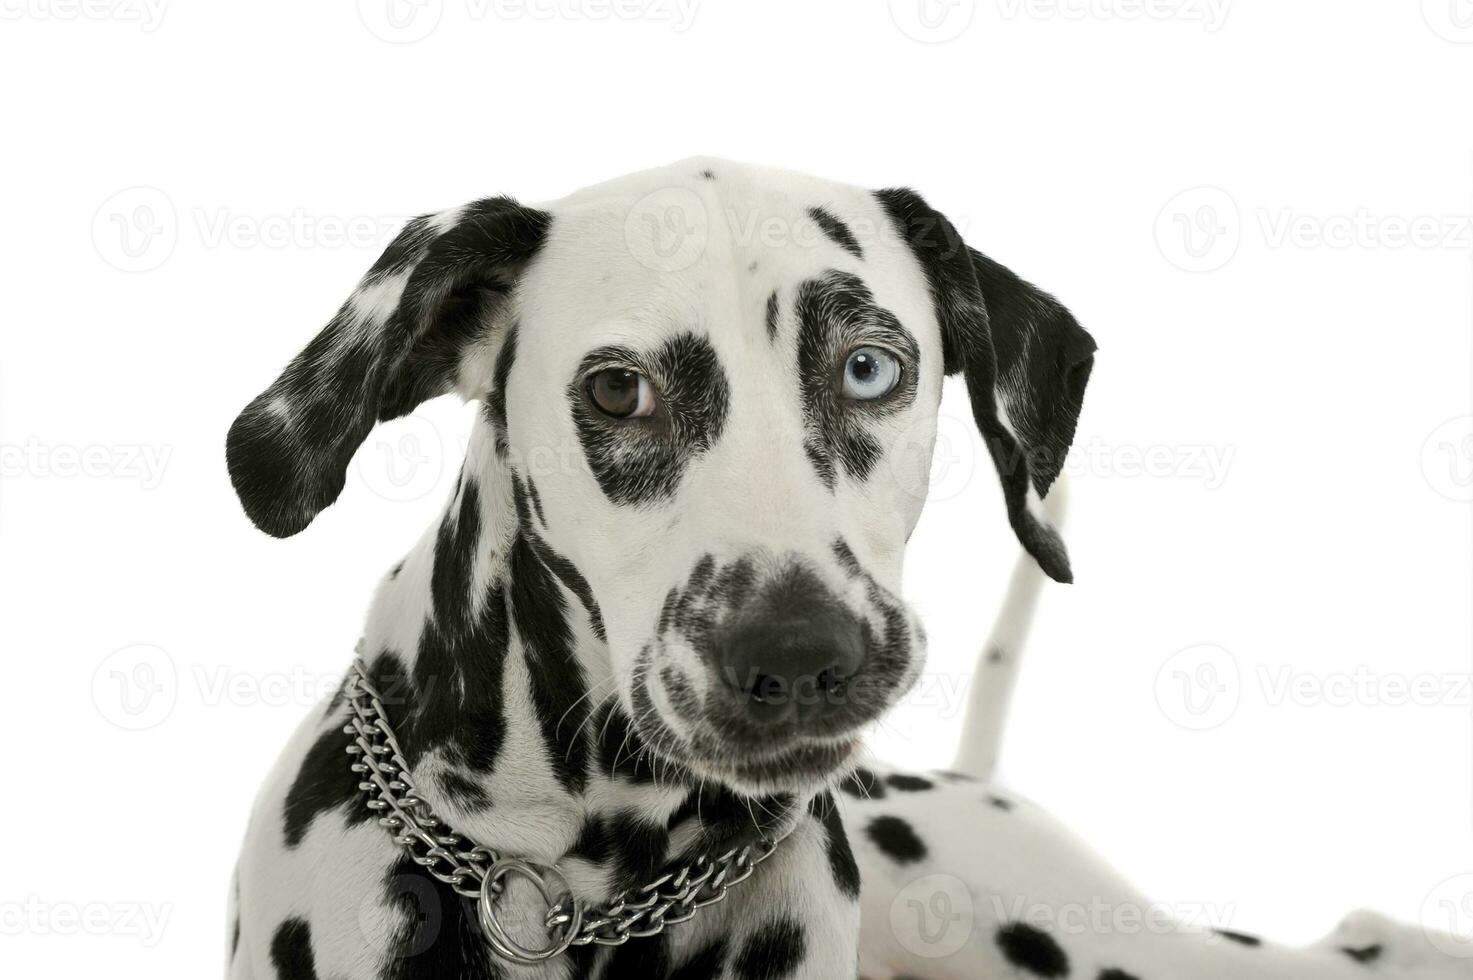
[836, 231]
[773, 311]
[836, 313]
[641, 461]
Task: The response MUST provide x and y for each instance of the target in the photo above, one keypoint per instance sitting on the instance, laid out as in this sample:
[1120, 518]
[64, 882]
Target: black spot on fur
[557, 680]
[896, 838]
[1032, 950]
[641, 461]
[1241, 938]
[536, 502]
[567, 573]
[772, 952]
[291, 951]
[501, 375]
[955, 777]
[708, 174]
[773, 312]
[235, 926]
[705, 965]
[678, 691]
[639, 959]
[1113, 974]
[458, 696]
[1366, 954]
[436, 936]
[862, 784]
[836, 845]
[998, 803]
[836, 231]
[847, 561]
[323, 782]
[908, 783]
[465, 793]
[621, 751]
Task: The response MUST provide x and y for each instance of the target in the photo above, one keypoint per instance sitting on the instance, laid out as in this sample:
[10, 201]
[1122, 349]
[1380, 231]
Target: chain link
[637, 913]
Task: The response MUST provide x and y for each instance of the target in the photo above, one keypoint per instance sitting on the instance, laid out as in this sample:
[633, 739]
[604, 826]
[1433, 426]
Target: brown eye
[622, 393]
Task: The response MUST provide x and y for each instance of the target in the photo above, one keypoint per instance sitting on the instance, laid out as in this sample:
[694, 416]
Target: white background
[1276, 452]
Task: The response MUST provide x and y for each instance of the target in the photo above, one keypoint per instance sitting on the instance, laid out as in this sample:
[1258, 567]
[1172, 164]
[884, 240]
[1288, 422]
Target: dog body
[663, 600]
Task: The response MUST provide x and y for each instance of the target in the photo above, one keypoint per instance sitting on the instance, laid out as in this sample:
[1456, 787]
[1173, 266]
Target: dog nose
[791, 662]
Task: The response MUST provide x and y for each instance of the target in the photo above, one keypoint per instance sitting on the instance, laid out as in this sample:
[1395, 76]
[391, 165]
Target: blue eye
[870, 373]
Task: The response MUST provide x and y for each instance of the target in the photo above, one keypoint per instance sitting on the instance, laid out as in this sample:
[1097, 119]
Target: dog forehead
[708, 245]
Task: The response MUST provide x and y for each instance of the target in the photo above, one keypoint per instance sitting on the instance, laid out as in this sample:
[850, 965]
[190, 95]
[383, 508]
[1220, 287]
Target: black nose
[791, 656]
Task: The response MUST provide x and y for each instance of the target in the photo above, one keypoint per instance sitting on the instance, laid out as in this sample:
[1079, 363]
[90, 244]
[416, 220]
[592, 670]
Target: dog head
[713, 390]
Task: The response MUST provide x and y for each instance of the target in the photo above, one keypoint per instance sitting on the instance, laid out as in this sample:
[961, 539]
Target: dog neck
[488, 649]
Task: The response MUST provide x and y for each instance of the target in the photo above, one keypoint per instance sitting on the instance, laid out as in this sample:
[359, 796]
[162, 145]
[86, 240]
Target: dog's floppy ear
[1025, 358]
[397, 341]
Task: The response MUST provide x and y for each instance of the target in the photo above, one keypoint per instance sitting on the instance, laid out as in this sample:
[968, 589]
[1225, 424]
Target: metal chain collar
[478, 872]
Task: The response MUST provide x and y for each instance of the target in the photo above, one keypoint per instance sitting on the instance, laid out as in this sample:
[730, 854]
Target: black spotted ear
[400, 339]
[1025, 358]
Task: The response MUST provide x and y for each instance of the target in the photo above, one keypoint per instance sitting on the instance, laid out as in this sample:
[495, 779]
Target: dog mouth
[806, 763]
[792, 763]
[730, 750]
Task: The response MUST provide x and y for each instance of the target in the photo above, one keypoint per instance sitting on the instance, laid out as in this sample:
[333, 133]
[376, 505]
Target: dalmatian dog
[662, 606]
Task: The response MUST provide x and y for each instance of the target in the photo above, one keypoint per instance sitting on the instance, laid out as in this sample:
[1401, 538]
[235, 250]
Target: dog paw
[1400, 950]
